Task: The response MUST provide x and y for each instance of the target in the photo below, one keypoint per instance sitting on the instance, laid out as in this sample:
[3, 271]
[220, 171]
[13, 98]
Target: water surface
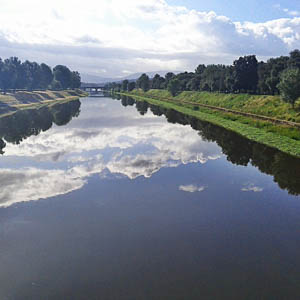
[112, 199]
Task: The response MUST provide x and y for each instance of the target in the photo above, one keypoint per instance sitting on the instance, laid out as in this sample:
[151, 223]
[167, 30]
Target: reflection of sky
[105, 138]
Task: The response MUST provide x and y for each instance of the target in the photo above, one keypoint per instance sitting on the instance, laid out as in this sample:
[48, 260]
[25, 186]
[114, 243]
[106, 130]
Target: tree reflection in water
[25, 123]
[284, 168]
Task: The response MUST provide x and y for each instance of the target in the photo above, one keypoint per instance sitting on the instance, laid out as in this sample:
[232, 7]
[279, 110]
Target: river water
[110, 199]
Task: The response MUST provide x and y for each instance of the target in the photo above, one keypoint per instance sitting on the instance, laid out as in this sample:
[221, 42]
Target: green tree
[33, 75]
[63, 75]
[158, 82]
[46, 76]
[75, 80]
[294, 59]
[144, 82]
[174, 86]
[125, 85]
[131, 86]
[245, 73]
[200, 69]
[8, 75]
[55, 85]
[289, 85]
[168, 77]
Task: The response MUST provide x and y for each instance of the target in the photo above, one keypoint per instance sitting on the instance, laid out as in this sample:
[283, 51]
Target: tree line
[28, 75]
[279, 75]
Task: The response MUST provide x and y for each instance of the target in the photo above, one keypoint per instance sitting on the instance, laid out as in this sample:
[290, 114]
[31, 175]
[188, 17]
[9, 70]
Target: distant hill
[87, 78]
[95, 79]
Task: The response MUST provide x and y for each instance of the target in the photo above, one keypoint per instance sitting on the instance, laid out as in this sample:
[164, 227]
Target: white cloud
[252, 188]
[128, 145]
[131, 36]
[191, 188]
[293, 13]
[30, 184]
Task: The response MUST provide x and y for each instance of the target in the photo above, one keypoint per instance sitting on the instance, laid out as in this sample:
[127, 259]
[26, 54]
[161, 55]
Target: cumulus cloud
[128, 145]
[133, 36]
[191, 188]
[30, 184]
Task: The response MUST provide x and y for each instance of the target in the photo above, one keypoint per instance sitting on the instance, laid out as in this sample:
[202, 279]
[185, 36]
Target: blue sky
[114, 38]
[247, 10]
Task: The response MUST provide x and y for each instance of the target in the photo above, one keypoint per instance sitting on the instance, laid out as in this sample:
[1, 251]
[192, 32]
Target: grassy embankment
[283, 137]
[12, 102]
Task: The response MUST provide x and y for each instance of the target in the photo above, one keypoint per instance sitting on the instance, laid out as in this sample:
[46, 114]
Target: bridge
[94, 89]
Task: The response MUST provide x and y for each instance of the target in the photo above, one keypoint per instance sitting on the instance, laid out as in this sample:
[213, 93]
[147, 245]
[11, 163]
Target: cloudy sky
[114, 38]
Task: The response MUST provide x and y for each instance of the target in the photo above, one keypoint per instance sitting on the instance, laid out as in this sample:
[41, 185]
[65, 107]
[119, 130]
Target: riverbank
[13, 102]
[282, 137]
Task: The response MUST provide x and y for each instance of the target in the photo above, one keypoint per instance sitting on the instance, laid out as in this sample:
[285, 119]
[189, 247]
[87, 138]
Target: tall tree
[131, 86]
[33, 75]
[46, 76]
[200, 69]
[75, 80]
[8, 75]
[63, 75]
[289, 85]
[294, 59]
[168, 77]
[158, 82]
[245, 73]
[144, 82]
[174, 86]
[125, 85]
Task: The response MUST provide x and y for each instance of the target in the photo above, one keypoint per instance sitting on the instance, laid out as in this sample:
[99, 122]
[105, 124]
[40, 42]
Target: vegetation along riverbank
[259, 100]
[30, 84]
[283, 137]
[13, 102]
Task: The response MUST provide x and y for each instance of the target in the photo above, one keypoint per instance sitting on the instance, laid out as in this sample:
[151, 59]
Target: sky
[115, 38]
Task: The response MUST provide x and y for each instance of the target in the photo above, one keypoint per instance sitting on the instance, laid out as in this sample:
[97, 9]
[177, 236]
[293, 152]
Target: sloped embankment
[12, 102]
[280, 136]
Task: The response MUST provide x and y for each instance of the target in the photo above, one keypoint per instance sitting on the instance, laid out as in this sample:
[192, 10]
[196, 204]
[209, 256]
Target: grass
[282, 138]
[10, 103]
[265, 105]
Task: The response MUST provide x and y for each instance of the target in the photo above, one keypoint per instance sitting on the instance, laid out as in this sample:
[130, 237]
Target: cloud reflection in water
[61, 159]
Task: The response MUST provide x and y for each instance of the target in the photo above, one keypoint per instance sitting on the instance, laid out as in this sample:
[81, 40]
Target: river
[110, 199]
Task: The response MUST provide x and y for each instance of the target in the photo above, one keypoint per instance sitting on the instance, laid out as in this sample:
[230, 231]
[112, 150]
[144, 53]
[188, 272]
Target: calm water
[108, 199]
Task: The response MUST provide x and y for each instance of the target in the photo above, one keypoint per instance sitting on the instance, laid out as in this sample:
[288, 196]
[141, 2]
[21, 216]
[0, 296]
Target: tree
[144, 82]
[184, 79]
[125, 85]
[289, 85]
[294, 60]
[131, 86]
[168, 77]
[158, 82]
[245, 73]
[274, 67]
[200, 69]
[55, 85]
[63, 75]
[33, 75]
[46, 76]
[20, 74]
[174, 86]
[75, 80]
[8, 75]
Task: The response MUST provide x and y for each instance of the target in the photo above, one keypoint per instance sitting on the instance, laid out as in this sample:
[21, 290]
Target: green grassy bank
[282, 137]
[13, 102]
[265, 105]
